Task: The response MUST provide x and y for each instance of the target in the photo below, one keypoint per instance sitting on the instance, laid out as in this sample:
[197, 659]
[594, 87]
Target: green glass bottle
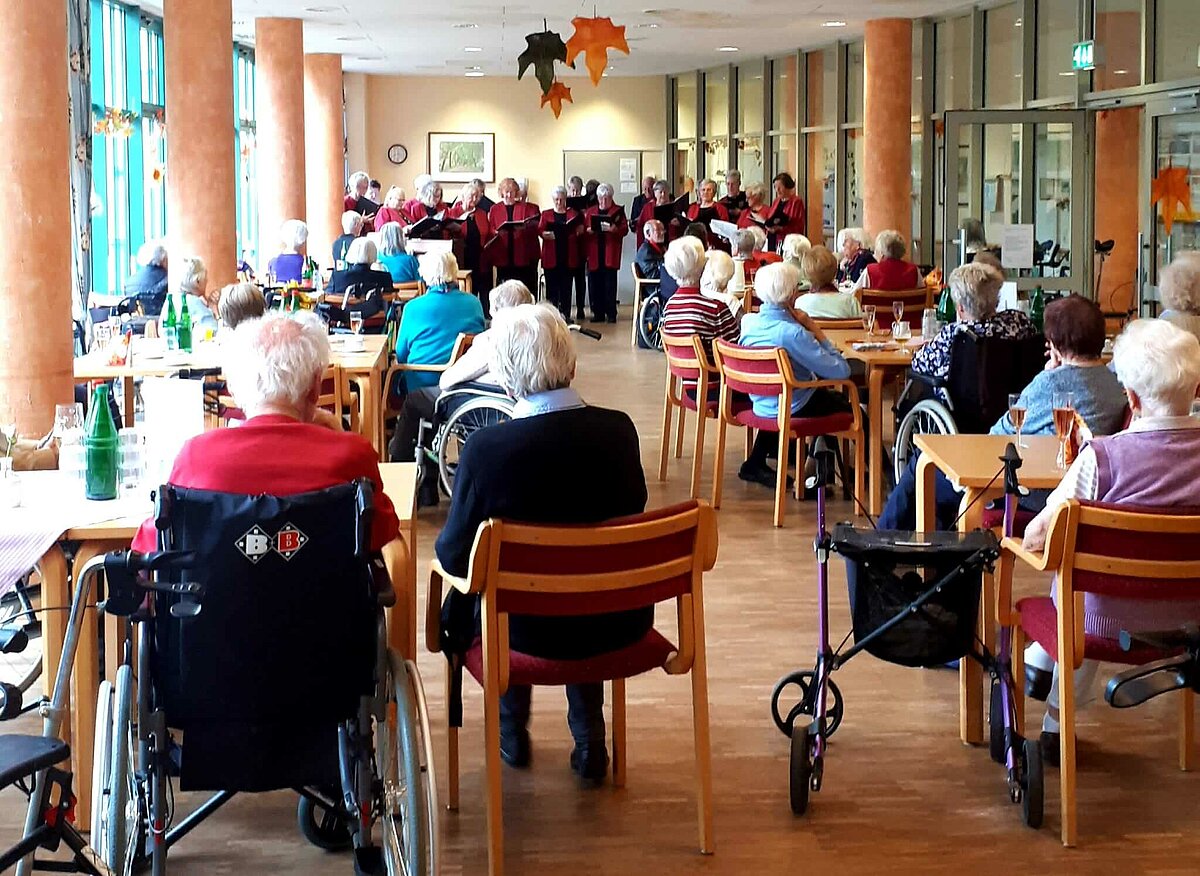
[945, 308]
[101, 451]
[185, 327]
[1037, 308]
[170, 327]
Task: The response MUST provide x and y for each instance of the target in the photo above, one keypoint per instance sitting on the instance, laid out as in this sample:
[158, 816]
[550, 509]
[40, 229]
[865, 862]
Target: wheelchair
[983, 372]
[460, 413]
[649, 320]
[275, 671]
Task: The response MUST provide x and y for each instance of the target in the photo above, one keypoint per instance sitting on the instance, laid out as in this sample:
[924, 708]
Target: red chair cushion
[798, 426]
[649, 652]
[993, 518]
[1039, 618]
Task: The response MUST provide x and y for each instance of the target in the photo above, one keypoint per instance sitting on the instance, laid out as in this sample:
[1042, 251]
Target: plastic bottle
[101, 451]
[185, 327]
[170, 327]
[1037, 307]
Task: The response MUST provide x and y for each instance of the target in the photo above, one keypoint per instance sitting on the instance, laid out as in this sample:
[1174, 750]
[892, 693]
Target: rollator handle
[1012, 462]
[586, 332]
[823, 465]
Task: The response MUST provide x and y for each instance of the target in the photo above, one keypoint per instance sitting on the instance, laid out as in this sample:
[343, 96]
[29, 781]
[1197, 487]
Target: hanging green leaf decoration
[542, 50]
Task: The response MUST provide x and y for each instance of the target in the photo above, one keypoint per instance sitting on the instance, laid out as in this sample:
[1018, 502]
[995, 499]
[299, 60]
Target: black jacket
[516, 471]
[364, 283]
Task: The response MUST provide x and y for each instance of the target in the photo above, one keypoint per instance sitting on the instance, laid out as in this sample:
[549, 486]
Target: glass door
[1175, 163]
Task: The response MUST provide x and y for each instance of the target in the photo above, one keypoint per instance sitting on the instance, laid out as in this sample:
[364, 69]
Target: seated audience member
[201, 300]
[890, 273]
[762, 254]
[391, 210]
[474, 366]
[714, 282]
[975, 290]
[1074, 330]
[361, 286]
[148, 284]
[1152, 464]
[852, 244]
[743, 264]
[792, 250]
[698, 231]
[240, 302]
[650, 254]
[393, 254]
[351, 225]
[813, 357]
[1179, 289]
[432, 322]
[689, 311]
[288, 266]
[553, 428]
[274, 366]
[824, 300]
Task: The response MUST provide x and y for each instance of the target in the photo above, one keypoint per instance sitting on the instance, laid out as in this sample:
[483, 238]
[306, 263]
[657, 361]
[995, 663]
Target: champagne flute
[356, 322]
[1064, 423]
[1016, 413]
[868, 318]
[898, 310]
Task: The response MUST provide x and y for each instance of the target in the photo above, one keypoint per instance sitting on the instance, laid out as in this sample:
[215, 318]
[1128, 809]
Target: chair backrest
[461, 344]
[984, 371]
[914, 300]
[752, 370]
[850, 323]
[687, 358]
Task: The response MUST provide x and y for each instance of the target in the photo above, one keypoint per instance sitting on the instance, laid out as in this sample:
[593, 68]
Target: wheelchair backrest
[983, 371]
[287, 624]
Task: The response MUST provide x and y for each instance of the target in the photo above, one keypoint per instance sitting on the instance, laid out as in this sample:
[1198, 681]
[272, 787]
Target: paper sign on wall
[1016, 247]
[628, 188]
[628, 171]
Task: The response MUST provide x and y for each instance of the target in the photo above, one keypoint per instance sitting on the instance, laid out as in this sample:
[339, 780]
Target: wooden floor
[901, 793]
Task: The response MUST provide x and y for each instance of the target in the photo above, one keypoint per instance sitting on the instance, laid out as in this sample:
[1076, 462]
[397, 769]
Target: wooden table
[400, 484]
[972, 463]
[367, 369]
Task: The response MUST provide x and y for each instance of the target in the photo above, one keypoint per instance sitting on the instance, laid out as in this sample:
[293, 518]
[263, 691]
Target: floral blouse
[933, 359]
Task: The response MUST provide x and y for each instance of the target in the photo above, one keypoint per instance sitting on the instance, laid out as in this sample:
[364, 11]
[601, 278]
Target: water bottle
[1037, 307]
[946, 312]
[170, 327]
[184, 330]
[101, 449]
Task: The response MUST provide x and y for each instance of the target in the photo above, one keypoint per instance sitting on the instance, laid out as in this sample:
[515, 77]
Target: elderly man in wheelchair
[256, 599]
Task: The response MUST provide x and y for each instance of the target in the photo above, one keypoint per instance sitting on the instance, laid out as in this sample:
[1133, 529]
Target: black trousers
[580, 278]
[558, 289]
[526, 274]
[822, 403]
[418, 405]
[585, 711]
[602, 290]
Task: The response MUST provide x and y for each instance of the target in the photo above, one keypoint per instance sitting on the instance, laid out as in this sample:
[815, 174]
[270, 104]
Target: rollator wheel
[799, 773]
[1033, 785]
[101, 767]
[325, 828]
[120, 829]
[996, 741]
[834, 708]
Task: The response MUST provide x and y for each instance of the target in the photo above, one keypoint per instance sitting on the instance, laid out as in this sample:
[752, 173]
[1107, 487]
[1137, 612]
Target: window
[1056, 34]
[953, 60]
[1178, 35]
[1002, 60]
[1119, 43]
[748, 139]
[854, 83]
[822, 88]
[243, 114]
[716, 102]
[822, 180]
[685, 107]
[784, 83]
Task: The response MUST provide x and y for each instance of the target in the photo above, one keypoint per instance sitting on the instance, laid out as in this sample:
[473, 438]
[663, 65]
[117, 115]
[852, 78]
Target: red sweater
[279, 456]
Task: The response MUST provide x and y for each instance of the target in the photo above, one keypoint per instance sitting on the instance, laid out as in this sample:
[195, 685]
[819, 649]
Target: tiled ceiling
[434, 38]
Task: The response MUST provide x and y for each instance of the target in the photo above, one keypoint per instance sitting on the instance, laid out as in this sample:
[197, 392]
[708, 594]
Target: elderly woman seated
[351, 226]
[360, 286]
[714, 282]
[1155, 463]
[975, 290]
[240, 302]
[689, 311]
[515, 471]
[824, 300]
[275, 367]
[201, 300]
[288, 266]
[1074, 343]
[813, 357]
[148, 284]
[890, 273]
[394, 256]
[792, 250]
[1179, 288]
[852, 244]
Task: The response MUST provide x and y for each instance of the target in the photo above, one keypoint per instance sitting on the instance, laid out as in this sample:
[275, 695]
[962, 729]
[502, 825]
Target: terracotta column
[325, 144]
[35, 237]
[279, 111]
[1119, 152]
[201, 192]
[887, 114]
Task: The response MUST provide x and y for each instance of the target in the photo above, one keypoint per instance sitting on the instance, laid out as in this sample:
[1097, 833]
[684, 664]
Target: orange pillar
[35, 237]
[201, 193]
[325, 168]
[887, 127]
[279, 111]
[1119, 152]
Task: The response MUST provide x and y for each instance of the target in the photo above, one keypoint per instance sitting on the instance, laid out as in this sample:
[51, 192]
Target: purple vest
[1154, 469]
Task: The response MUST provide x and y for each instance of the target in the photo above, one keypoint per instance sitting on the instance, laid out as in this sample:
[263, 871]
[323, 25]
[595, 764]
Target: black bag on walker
[930, 582]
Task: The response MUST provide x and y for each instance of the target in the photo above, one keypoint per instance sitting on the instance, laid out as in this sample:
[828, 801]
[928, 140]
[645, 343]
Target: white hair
[351, 222]
[362, 251]
[708, 181]
[1179, 283]
[357, 177]
[1161, 363]
[510, 293]
[653, 225]
[428, 193]
[777, 283]
[275, 359]
[760, 238]
[718, 271]
[467, 190]
[976, 289]
[394, 193]
[193, 279]
[293, 234]
[890, 245]
[733, 175]
[391, 239]
[604, 189]
[554, 191]
[660, 185]
[438, 268]
[743, 242]
[421, 181]
[685, 260]
[854, 234]
[795, 246]
[532, 350]
[152, 253]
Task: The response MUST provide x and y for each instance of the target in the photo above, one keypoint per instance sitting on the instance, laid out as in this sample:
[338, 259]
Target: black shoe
[1050, 748]
[1037, 683]
[612, 319]
[579, 316]
[515, 748]
[590, 764]
[595, 319]
[761, 474]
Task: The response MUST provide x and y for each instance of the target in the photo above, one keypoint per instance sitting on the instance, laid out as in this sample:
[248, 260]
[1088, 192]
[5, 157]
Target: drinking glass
[1064, 425]
[1016, 413]
[868, 318]
[356, 322]
[132, 455]
[68, 423]
[901, 331]
[898, 310]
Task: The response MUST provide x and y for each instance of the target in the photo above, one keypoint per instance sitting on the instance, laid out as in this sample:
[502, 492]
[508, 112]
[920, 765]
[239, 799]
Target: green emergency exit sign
[1083, 56]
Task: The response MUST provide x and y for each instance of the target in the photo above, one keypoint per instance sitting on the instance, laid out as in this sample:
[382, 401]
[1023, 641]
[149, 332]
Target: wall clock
[397, 154]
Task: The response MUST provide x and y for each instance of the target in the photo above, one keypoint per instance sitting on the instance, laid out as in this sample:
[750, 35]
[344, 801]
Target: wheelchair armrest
[381, 580]
[928, 379]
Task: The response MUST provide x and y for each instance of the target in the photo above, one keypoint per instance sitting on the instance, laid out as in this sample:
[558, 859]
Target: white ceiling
[421, 38]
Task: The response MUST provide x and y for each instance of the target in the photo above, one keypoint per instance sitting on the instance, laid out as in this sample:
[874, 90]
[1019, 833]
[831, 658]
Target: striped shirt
[688, 313]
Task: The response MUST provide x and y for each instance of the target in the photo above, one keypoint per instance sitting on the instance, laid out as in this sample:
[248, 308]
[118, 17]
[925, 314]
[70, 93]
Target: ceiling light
[727, 48]
[321, 10]
[465, 26]
[1067, 73]
[650, 24]
[351, 39]
[834, 23]
[473, 74]
[472, 48]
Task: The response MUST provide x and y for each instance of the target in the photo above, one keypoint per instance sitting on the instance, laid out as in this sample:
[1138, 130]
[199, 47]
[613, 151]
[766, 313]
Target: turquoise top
[429, 326]
[401, 266]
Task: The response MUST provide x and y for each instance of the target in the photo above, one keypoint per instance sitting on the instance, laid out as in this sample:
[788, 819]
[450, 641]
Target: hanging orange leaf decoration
[555, 97]
[594, 37]
[1172, 190]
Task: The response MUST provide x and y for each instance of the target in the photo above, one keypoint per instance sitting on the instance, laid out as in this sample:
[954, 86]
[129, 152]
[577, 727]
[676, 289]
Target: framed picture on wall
[455, 157]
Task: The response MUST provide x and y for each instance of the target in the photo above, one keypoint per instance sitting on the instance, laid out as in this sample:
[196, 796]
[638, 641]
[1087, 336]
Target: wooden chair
[338, 398]
[622, 564]
[1106, 550]
[639, 282]
[406, 292]
[687, 361]
[461, 344]
[767, 371]
[914, 300]
[848, 324]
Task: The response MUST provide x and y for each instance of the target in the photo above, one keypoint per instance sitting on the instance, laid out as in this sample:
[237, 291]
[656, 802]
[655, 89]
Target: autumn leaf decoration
[555, 97]
[1171, 190]
[594, 37]
[541, 51]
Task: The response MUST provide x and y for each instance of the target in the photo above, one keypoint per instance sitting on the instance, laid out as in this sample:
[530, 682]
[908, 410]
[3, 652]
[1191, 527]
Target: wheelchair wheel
[799, 773]
[461, 425]
[1032, 785]
[996, 729]
[927, 417]
[648, 323]
[121, 818]
[322, 826]
[804, 705]
[17, 612]
[102, 767]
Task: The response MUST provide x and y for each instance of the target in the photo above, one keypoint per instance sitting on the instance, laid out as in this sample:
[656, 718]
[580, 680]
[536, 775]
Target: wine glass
[1016, 413]
[356, 322]
[868, 318]
[898, 310]
[1064, 424]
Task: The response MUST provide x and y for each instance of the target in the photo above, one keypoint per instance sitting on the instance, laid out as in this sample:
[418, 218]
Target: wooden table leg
[130, 412]
[926, 495]
[970, 673]
[371, 407]
[875, 415]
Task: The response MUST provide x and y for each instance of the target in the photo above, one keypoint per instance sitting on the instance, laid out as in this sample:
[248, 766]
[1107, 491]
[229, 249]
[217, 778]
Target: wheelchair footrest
[368, 861]
[22, 756]
[1135, 686]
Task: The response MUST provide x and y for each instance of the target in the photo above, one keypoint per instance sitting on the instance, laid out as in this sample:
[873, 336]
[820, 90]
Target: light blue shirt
[202, 317]
[773, 326]
[565, 399]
